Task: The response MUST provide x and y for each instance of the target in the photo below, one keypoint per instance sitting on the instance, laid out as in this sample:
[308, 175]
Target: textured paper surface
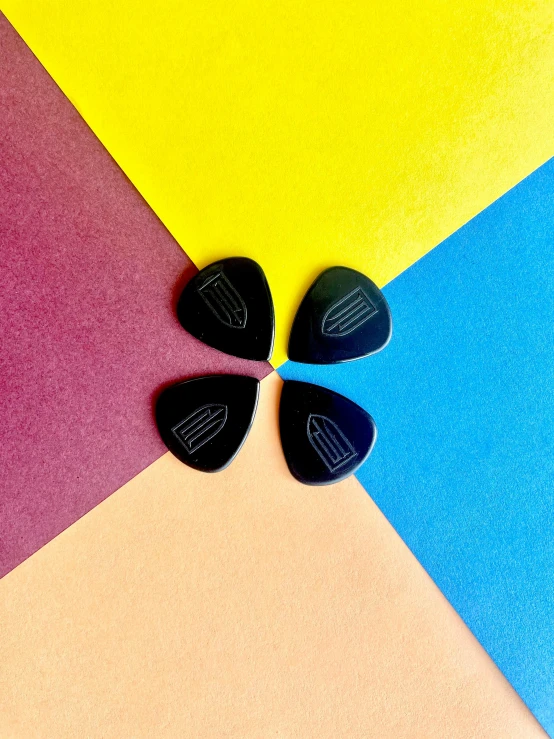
[240, 605]
[89, 277]
[463, 398]
[308, 134]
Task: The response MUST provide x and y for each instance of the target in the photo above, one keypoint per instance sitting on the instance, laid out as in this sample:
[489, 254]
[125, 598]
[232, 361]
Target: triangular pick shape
[343, 316]
[205, 421]
[228, 306]
[325, 436]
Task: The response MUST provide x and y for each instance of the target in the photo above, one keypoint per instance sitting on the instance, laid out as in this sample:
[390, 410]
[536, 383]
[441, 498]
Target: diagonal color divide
[463, 398]
[308, 134]
[240, 605]
[88, 328]
[321, 220]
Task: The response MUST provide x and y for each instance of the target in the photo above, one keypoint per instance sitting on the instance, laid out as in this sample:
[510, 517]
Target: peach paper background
[240, 605]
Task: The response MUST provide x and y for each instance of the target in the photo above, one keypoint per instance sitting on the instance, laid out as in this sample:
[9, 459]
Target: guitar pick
[228, 306]
[343, 316]
[205, 421]
[325, 436]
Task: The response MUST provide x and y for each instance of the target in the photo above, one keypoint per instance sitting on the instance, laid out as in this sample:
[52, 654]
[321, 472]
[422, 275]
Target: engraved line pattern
[200, 426]
[348, 314]
[224, 301]
[330, 443]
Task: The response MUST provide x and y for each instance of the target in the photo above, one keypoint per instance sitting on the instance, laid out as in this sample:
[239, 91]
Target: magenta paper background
[88, 329]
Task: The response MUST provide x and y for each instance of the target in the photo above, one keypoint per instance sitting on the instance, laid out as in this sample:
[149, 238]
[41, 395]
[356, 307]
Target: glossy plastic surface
[325, 436]
[204, 422]
[228, 306]
[343, 316]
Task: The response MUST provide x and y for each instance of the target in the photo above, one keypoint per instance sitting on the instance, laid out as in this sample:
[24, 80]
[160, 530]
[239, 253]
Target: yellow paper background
[240, 605]
[308, 134]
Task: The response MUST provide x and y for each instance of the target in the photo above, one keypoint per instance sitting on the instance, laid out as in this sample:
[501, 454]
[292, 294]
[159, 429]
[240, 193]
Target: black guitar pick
[325, 436]
[228, 305]
[343, 316]
[204, 422]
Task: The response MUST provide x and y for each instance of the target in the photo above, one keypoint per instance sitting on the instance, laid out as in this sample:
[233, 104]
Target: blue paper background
[463, 398]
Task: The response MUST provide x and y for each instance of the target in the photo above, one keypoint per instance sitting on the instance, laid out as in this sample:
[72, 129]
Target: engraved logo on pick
[201, 426]
[348, 314]
[224, 301]
[330, 443]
